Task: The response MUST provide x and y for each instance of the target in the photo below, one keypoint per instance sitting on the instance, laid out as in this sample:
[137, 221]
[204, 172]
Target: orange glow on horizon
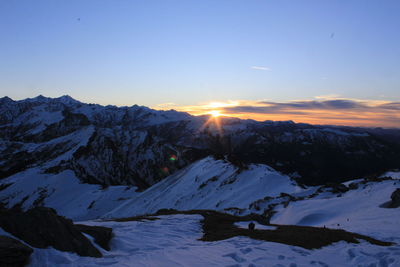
[365, 113]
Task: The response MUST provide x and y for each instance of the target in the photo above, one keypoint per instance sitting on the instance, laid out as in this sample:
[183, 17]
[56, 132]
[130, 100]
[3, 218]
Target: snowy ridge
[208, 184]
[91, 162]
[132, 145]
[63, 192]
[172, 240]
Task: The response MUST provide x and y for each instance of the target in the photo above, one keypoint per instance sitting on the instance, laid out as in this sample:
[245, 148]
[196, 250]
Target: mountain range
[138, 146]
[158, 179]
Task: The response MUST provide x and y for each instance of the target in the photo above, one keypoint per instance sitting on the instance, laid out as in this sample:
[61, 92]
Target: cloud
[260, 68]
[335, 111]
[271, 109]
[302, 107]
[327, 97]
[391, 105]
[314, 105]
[352, 112]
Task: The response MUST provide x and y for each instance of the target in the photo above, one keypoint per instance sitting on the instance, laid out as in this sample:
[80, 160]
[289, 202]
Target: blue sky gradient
[189, 52]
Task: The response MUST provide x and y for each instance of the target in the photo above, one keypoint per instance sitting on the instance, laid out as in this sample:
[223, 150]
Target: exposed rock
[394, 202]
[42, 227]
[353, 186]
[13, 253]
[251, 226]
[395, 198]
[338, 188]
[102, 235]
[221, 226]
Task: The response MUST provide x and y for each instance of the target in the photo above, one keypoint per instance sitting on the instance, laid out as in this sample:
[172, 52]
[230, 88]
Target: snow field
[172, 241]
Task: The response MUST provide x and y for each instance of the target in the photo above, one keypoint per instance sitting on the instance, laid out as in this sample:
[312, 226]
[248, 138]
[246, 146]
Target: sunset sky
[324, 62]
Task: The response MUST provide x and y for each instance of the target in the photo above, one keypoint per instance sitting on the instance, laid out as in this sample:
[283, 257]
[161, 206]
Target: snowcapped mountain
[208, 184]
[61, 153]
[205, 184]
[356, 206]
[139, 146]
[93, 164]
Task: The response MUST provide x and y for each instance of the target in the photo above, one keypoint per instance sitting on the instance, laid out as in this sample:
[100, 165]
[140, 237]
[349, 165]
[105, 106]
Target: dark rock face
[42, 227]
[13, 253]
[395, 198]
[102, 235]
[334, 188]
[121, 158]
[251, 226]
[394, 202]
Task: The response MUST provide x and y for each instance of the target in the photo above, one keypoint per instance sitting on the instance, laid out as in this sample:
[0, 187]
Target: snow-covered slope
[205, 184]
[214, 184]
[63, 192]
[172, 241]
[358, 210]
[209, 184]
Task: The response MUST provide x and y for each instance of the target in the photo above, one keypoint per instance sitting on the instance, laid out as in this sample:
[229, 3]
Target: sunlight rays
[320, 110]
[213, 121]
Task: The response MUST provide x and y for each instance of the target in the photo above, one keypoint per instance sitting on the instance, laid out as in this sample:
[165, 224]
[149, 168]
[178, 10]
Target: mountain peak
[67, 99]
[6, 99]
[40, 97]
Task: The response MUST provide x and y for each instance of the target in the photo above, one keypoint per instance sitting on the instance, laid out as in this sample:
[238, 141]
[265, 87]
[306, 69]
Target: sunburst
[214, 120]
[215, 113]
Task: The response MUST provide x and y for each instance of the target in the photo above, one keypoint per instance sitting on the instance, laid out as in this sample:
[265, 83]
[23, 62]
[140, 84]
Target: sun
[215, 113]
[213, 121]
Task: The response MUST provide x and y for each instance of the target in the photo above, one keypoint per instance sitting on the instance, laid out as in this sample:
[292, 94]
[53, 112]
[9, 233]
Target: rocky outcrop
[42, 227]
[102, 235]
[395, 199]
[394, 202]
[13, 253]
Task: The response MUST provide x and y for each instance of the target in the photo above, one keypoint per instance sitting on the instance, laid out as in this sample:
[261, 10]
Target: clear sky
[188, 53]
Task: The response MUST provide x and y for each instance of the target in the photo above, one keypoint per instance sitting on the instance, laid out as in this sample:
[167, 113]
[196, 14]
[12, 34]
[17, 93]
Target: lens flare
[164, 170]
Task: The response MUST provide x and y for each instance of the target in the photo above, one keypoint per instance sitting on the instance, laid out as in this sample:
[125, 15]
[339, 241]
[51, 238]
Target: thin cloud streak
[327, 97]
[352, 112]
[260, 68]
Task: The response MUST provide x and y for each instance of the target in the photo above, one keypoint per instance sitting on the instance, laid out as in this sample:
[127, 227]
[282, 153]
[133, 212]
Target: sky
[245, 58]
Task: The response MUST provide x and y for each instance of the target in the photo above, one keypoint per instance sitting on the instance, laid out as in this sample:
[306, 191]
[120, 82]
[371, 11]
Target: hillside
[171, 189]
[138, 146]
